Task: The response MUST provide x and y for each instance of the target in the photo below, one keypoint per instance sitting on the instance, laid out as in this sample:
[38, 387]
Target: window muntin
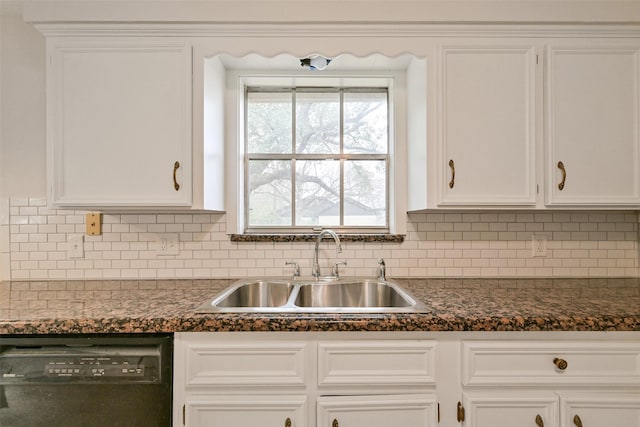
[327, 165]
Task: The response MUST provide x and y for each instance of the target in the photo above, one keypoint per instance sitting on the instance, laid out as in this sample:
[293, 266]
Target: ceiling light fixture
[315, 62]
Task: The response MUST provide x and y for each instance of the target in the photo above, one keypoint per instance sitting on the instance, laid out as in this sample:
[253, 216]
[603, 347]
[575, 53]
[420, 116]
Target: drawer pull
[335, 423]
[577, 421]
[539, 421]
[452, 165]
[560, 363]
[176, 166]
[564, 175]
[287, 422]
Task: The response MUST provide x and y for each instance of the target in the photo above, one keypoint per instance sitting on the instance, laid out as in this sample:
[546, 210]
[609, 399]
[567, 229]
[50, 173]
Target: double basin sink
[324, 295]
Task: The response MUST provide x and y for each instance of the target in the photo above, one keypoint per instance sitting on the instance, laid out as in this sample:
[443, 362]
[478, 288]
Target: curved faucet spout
[315, 270]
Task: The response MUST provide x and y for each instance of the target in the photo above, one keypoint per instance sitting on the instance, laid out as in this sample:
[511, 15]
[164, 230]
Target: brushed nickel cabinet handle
[560, 363]
[577, 421]
[335, 423]
[287, 422]
[176, 166]
[564, 175]
[452, 165]
[539, 421]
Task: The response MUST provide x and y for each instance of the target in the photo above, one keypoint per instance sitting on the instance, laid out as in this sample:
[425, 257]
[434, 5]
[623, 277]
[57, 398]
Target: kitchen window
[316, 157]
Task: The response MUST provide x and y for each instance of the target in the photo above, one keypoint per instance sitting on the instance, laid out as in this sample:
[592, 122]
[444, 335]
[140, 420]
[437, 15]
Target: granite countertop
[137, 306]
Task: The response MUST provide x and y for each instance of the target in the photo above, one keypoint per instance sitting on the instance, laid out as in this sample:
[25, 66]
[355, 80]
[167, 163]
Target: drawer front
[240, 364]
[561, 363]
[376, 363]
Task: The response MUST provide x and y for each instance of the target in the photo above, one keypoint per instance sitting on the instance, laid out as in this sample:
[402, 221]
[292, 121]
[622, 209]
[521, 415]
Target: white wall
[22, 117]
[22, 134]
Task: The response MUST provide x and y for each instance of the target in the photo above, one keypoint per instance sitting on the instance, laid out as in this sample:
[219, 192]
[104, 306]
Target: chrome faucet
[315, 270]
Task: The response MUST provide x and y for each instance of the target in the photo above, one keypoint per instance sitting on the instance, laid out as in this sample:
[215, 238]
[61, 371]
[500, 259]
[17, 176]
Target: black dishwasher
[119, 380]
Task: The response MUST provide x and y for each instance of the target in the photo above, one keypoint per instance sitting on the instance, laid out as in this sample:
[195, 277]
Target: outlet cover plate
[75, 248]
[539, 248]
[167, 244]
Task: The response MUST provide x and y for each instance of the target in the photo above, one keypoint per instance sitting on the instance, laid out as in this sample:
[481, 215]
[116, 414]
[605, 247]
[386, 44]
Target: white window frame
[295, 228]
[238, 80]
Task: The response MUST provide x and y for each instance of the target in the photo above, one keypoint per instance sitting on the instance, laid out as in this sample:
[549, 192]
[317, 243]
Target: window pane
[365, 122]
[317, 122]
[365, 193]
[318, 192]
[269, 193]
[269, 122]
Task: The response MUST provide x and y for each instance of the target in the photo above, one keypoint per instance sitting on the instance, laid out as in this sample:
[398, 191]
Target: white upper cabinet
[119, 124]
[592, 124]
[486, 118]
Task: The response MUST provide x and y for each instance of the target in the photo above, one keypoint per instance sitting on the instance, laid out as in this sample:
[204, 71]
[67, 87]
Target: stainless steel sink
[258, 293]
[325, 295]
[350, 294]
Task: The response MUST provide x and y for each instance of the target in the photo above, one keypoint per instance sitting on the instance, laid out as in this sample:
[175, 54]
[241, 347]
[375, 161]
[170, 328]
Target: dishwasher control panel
[139, 364]
[94, 367]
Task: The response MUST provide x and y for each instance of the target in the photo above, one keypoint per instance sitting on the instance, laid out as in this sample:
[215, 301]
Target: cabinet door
[377, 411]
[119, 131]
[246, 411]
[592, 132]
[600, 410]
[487, 125]
[510, 409]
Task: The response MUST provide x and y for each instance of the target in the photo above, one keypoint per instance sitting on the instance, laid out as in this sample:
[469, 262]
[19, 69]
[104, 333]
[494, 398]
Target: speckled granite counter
[56, 307]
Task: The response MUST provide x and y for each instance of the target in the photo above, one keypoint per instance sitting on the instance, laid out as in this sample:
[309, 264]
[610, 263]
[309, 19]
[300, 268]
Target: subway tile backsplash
[34, 244]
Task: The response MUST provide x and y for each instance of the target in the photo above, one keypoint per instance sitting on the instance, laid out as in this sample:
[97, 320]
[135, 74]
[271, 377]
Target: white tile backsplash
[439, 244]
[5, 241]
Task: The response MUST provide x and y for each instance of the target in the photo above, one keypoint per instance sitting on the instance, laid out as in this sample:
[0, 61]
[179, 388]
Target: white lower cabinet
[291, 380]
[407, 379]
[569, 383]
[547, 409]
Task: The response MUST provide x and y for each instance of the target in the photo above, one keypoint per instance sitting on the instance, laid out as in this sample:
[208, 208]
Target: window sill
[278, 238]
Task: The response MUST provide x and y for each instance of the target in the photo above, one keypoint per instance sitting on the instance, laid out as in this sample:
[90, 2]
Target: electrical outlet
[167, 244]
[75, 248]
[539, 245]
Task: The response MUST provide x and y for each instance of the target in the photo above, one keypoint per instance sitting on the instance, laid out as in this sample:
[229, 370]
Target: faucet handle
[336, 273]
[296, 268]
[382, 269]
